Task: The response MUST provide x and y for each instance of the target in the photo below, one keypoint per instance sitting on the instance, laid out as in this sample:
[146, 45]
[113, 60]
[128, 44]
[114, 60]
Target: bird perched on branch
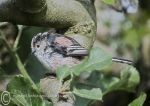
[55, 50]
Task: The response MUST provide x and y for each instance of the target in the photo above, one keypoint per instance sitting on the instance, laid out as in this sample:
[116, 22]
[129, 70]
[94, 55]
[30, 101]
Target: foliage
[23, 93]
[139, 101]
[129, 77]
[94, 93]
[97, 60]
[20, 87]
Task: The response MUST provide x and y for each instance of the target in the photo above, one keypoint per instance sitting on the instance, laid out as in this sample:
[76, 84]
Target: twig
[20, 27]
[17, 61]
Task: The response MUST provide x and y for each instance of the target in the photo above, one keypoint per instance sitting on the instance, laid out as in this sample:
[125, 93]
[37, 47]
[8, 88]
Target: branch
[55, 13]
[78, 16]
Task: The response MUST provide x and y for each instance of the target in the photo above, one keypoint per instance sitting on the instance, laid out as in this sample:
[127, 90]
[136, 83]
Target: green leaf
[110, 2]
[139, 101]
[129, 80]
[63, 72]
[94, 93]
[134, 78]
[97, 60]
[23, 94]
[106, 82]
[82, 101]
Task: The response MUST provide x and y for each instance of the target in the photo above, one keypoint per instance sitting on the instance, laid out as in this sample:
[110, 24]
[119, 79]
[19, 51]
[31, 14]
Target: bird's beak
[33, 51]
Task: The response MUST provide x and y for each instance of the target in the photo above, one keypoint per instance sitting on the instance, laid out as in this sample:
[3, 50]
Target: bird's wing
[76, 50]
[69, 47]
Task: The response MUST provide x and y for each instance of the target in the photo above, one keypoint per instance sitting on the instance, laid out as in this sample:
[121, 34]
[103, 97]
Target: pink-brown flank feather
[63, 41]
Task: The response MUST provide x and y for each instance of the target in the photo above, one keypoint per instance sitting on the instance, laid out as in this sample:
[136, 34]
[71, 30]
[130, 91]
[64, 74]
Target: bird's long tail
[125, 61]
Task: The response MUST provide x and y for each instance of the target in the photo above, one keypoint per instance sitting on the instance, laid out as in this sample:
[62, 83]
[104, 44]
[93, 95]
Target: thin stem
[17, 61]
[23, 70]
[18, 36]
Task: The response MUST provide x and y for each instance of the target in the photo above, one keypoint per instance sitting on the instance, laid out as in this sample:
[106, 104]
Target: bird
[54, 50]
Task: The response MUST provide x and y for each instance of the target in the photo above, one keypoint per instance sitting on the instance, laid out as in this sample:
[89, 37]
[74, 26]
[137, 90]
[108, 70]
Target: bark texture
[76, 16]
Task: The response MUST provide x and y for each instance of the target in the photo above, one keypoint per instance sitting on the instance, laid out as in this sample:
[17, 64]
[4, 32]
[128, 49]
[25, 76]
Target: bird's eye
[37, 46]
